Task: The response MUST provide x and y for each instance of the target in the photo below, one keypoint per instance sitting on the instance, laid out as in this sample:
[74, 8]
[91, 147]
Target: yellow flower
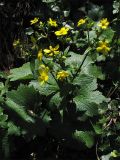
[103, 47]
[40, 54]
[52, 51]
[80, 22]
[16, 43]
[52, 23]
[33, 21]
[63, 31]
[43, 71]
[103, 23]
[61, 75]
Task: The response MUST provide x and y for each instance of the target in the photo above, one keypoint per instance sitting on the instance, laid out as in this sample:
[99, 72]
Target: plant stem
[111, 92]
[86, 54]
[97, 151]
[44, 114]
[51, 74]
[79, 69]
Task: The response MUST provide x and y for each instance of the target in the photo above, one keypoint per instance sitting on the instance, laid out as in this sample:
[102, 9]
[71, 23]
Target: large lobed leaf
[88, 66]
[24, 95]
[19, 110]
[22, 73]
[87, 97]
[46, 89]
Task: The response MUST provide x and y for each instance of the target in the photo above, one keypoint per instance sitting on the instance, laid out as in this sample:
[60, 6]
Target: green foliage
[87, 97]
[48, 1]
[20, 73]
[107, 34]
[3, 118]
[116, 6]
[61, 94]
[24, 95]
[19, 110]
[85, 137]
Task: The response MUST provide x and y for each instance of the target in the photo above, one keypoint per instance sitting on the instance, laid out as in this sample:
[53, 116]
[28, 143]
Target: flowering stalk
[51, 73]
[79, 69]
[86, 54]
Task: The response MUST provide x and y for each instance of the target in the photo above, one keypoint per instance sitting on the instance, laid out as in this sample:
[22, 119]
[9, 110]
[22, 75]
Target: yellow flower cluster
[103, 23]
[81, 21]
[103, 47]
[52, 51]
[43, 71]
[44, 74]
[52, 23]
[61, 75]
[63, 31]
[33, 21]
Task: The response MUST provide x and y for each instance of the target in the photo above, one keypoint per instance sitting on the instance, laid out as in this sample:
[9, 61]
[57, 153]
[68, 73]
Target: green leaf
[66, 13]
[107, 34]
[66, 50]
[115, 154]
[3, 119]
[29, 31]
[86, 137]
[96, 12]
[73, 60]
[76, 59]
[1, 99]
[84, 105]
[55, 100]
[87, 98]
[1, 111]
[106, 157]
[48, 1]
[94, 71]
[6, 145]
[46, 89]
[97, 128]
[46, 118]
[1, 86]
[92, 35]
[88, 66]
[86, 81]
[89, 101]
[3, 75]
[21, 73]
[13, 129]
[116, 6]
[24, 95]
[19, 110]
